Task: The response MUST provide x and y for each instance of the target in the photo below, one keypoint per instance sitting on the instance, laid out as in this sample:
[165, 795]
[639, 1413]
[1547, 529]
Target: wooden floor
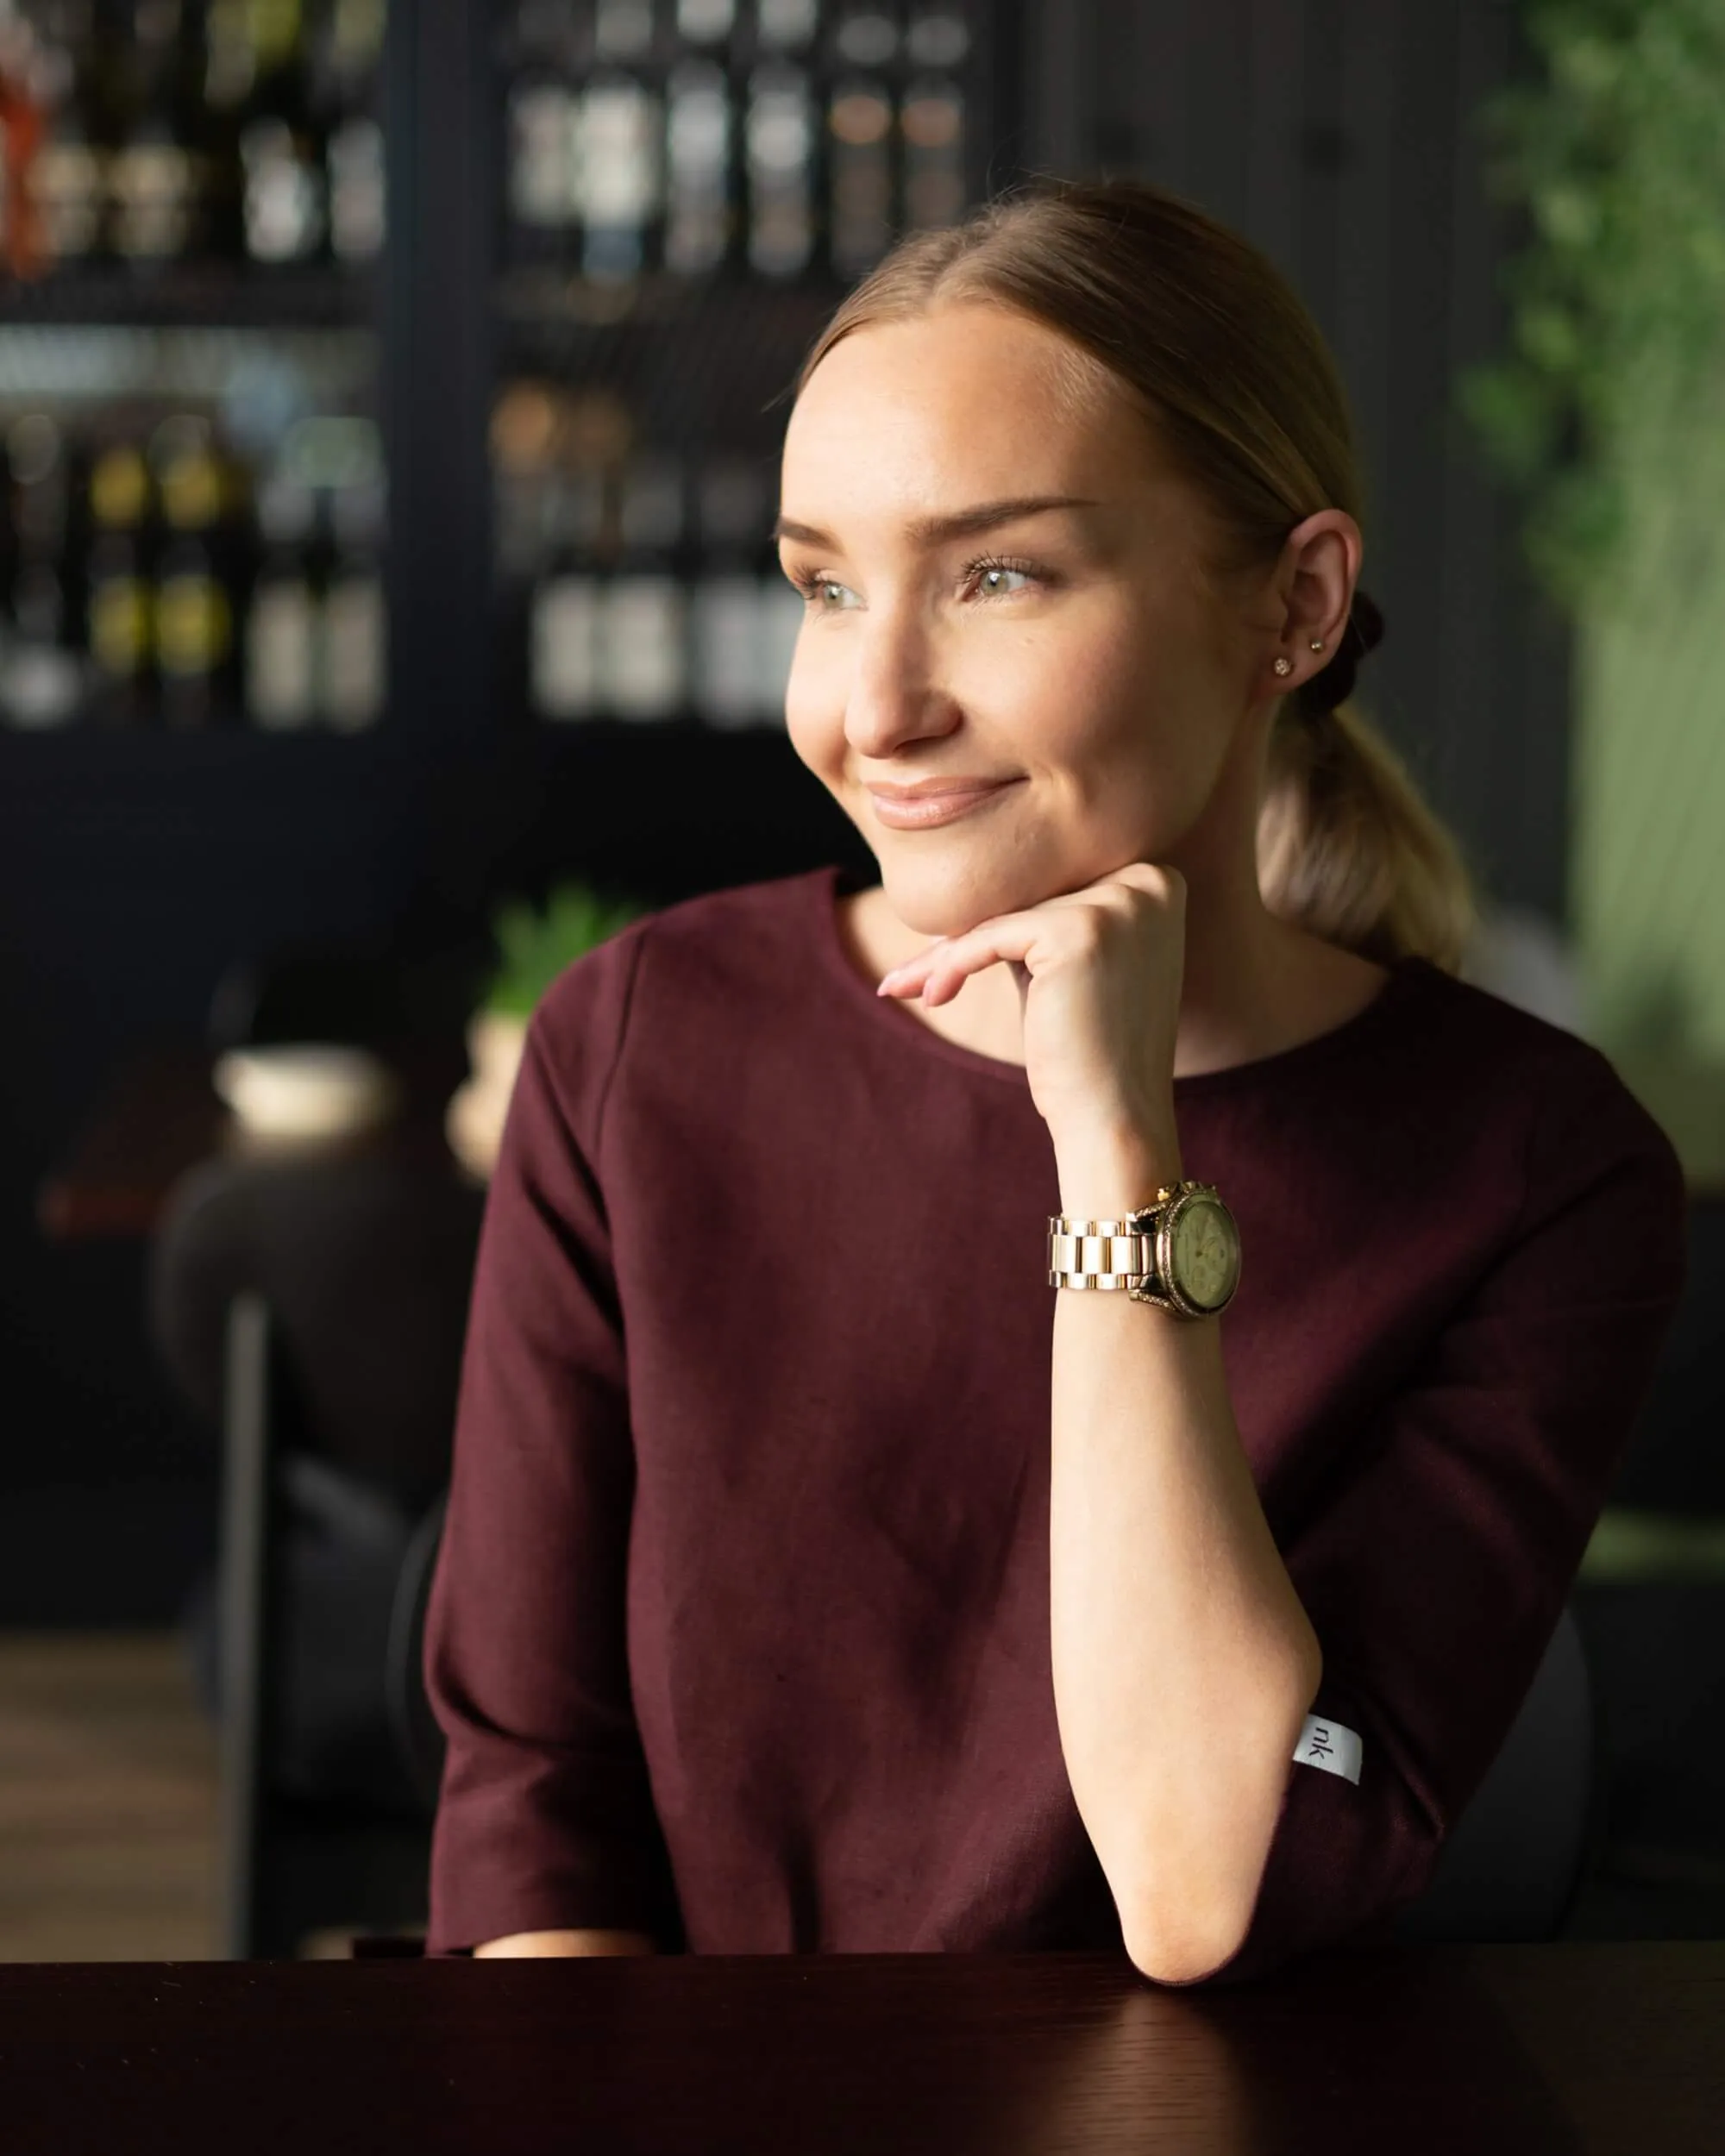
[108, 1811]
[108, 1848]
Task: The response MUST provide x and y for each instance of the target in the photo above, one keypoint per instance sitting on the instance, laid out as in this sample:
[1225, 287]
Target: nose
[894, 695]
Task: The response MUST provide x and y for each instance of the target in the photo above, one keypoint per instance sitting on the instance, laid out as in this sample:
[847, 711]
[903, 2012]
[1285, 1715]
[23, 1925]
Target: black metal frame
[288, 1863]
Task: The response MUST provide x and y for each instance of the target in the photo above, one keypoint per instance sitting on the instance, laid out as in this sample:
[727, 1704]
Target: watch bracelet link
[1106, 1254]
[1118, 1254]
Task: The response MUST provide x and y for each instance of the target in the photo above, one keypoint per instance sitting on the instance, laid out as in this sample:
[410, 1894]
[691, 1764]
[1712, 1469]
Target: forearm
[1183, 1663]
[533, 1943]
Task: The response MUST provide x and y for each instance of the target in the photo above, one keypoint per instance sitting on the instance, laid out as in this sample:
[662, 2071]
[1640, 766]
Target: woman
[775, 1612]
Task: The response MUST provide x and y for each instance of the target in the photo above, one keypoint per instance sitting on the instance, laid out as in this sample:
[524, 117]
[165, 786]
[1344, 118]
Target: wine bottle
[931, 123]
[860, 122]
[354, 638]
[725, 639]
[705, 24]
[282, 620]
[567, 602]
[39, 483]
[64, 183]
[347, 54]
[120, 609]
[41, 677]
[698, 218]
[285, 205]
[786, 26]
[620, 146]
[623, 32]
[642, 655]
[864, 35]
[543, 191]
[194, 617]
[159, 182]
[937, 35]
[779, 138]
[40, 680]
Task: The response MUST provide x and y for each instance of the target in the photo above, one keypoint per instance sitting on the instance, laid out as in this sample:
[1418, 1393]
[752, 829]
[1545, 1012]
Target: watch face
[1206, 1252]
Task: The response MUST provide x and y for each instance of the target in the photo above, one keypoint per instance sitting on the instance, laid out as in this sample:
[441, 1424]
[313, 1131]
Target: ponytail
[1346, 848]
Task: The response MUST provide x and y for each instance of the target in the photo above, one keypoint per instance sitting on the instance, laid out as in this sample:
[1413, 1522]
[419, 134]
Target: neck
[1246, 977]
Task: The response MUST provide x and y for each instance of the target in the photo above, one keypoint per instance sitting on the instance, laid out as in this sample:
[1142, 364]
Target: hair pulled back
[1236, 379]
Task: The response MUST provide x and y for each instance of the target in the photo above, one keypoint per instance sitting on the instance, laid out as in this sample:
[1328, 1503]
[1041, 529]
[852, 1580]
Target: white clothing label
[1328, 1745]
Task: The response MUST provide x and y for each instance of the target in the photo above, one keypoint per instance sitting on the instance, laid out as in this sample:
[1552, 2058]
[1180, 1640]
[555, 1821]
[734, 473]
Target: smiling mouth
[918, 812]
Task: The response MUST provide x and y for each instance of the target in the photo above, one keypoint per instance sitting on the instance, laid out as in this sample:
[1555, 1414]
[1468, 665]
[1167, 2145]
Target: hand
[1099, 973]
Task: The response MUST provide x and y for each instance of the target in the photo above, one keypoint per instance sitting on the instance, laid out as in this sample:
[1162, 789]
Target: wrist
[1103, 1175]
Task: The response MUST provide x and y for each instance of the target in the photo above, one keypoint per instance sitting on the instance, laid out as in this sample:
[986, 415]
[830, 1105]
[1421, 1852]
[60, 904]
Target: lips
[884, 790]
[934, 801]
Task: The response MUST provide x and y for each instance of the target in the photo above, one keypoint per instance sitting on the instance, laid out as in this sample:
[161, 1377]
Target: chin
[947, 897]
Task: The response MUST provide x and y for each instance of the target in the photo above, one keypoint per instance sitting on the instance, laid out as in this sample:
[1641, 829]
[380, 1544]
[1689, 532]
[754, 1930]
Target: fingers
[1034, 939]
[1073, 924]
[937, 973]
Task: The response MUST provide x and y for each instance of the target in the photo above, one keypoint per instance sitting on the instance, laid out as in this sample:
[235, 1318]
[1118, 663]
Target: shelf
[237, 296]
[68, 366]
[227, 739]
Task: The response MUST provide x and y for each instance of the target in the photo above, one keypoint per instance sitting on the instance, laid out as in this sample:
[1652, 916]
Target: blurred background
[390, 399]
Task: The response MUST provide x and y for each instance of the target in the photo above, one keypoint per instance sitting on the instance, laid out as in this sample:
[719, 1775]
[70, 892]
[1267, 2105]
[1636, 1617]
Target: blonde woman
[825, 1569]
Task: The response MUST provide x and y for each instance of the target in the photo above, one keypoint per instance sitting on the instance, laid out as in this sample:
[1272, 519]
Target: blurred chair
[323, 1823]
[1513, 1864]
[364, 1255]
[315, 1308]
[419, 1735]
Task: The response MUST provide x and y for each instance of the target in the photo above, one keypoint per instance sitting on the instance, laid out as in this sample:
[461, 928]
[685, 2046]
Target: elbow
[1182, 1953]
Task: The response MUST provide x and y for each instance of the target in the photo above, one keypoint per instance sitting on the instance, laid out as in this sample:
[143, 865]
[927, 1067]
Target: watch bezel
[1158, 1225]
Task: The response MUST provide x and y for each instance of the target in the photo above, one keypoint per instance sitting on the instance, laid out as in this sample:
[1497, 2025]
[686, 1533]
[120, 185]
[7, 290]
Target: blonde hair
[1236, 377]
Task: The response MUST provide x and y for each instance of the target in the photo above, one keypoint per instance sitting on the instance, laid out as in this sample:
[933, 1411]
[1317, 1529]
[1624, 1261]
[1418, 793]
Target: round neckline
[826, 886]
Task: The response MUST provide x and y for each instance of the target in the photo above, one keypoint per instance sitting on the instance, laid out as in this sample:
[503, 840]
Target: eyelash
[809, 585]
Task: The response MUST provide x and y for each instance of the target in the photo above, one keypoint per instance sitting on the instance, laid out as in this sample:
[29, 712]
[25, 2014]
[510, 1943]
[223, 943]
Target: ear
[1315, 581]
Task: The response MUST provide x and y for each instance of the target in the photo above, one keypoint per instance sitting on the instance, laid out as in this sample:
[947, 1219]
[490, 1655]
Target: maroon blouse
[739, 1630]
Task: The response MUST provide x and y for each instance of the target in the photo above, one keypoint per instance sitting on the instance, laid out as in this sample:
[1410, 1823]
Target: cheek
[814, 707]
[1074, 695]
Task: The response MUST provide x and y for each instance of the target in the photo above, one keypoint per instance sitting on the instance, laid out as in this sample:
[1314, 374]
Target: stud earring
[1319, 645]
[1284, 666]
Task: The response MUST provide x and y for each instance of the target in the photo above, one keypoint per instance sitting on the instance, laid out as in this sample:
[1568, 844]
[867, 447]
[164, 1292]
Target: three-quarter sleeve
[1436, 1575]
[545, 1818]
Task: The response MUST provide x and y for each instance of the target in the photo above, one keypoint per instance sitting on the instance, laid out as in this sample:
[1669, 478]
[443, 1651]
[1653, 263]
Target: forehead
[966, 402]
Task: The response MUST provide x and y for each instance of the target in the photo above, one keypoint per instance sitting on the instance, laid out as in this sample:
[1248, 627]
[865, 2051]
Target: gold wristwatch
[1183, 1253]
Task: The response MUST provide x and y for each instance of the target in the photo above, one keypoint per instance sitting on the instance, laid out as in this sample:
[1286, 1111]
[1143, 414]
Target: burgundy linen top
[739, 1632]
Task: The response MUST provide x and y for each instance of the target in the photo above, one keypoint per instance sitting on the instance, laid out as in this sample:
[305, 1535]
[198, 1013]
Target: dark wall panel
[1344, 136]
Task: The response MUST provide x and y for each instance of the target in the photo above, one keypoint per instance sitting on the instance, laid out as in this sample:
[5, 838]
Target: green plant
[536, 946]
[1615, 374]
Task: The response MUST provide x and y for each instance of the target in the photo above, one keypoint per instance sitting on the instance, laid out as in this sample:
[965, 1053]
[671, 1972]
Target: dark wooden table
[1607, 2049]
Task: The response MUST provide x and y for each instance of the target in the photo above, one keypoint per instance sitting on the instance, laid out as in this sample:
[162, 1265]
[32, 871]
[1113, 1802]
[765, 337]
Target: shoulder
[671, 982]
[729, 937]
[1581, 1135]
[1510, 1054]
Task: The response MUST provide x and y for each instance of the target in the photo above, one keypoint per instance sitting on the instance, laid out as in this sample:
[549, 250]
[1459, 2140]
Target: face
[1066, 661]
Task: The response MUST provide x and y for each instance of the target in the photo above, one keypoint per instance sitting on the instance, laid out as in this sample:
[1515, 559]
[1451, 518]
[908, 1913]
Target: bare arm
[526, 1944]
[1183, 1661]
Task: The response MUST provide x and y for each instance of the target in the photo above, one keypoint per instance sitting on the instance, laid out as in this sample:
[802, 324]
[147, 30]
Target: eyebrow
[928, 531]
